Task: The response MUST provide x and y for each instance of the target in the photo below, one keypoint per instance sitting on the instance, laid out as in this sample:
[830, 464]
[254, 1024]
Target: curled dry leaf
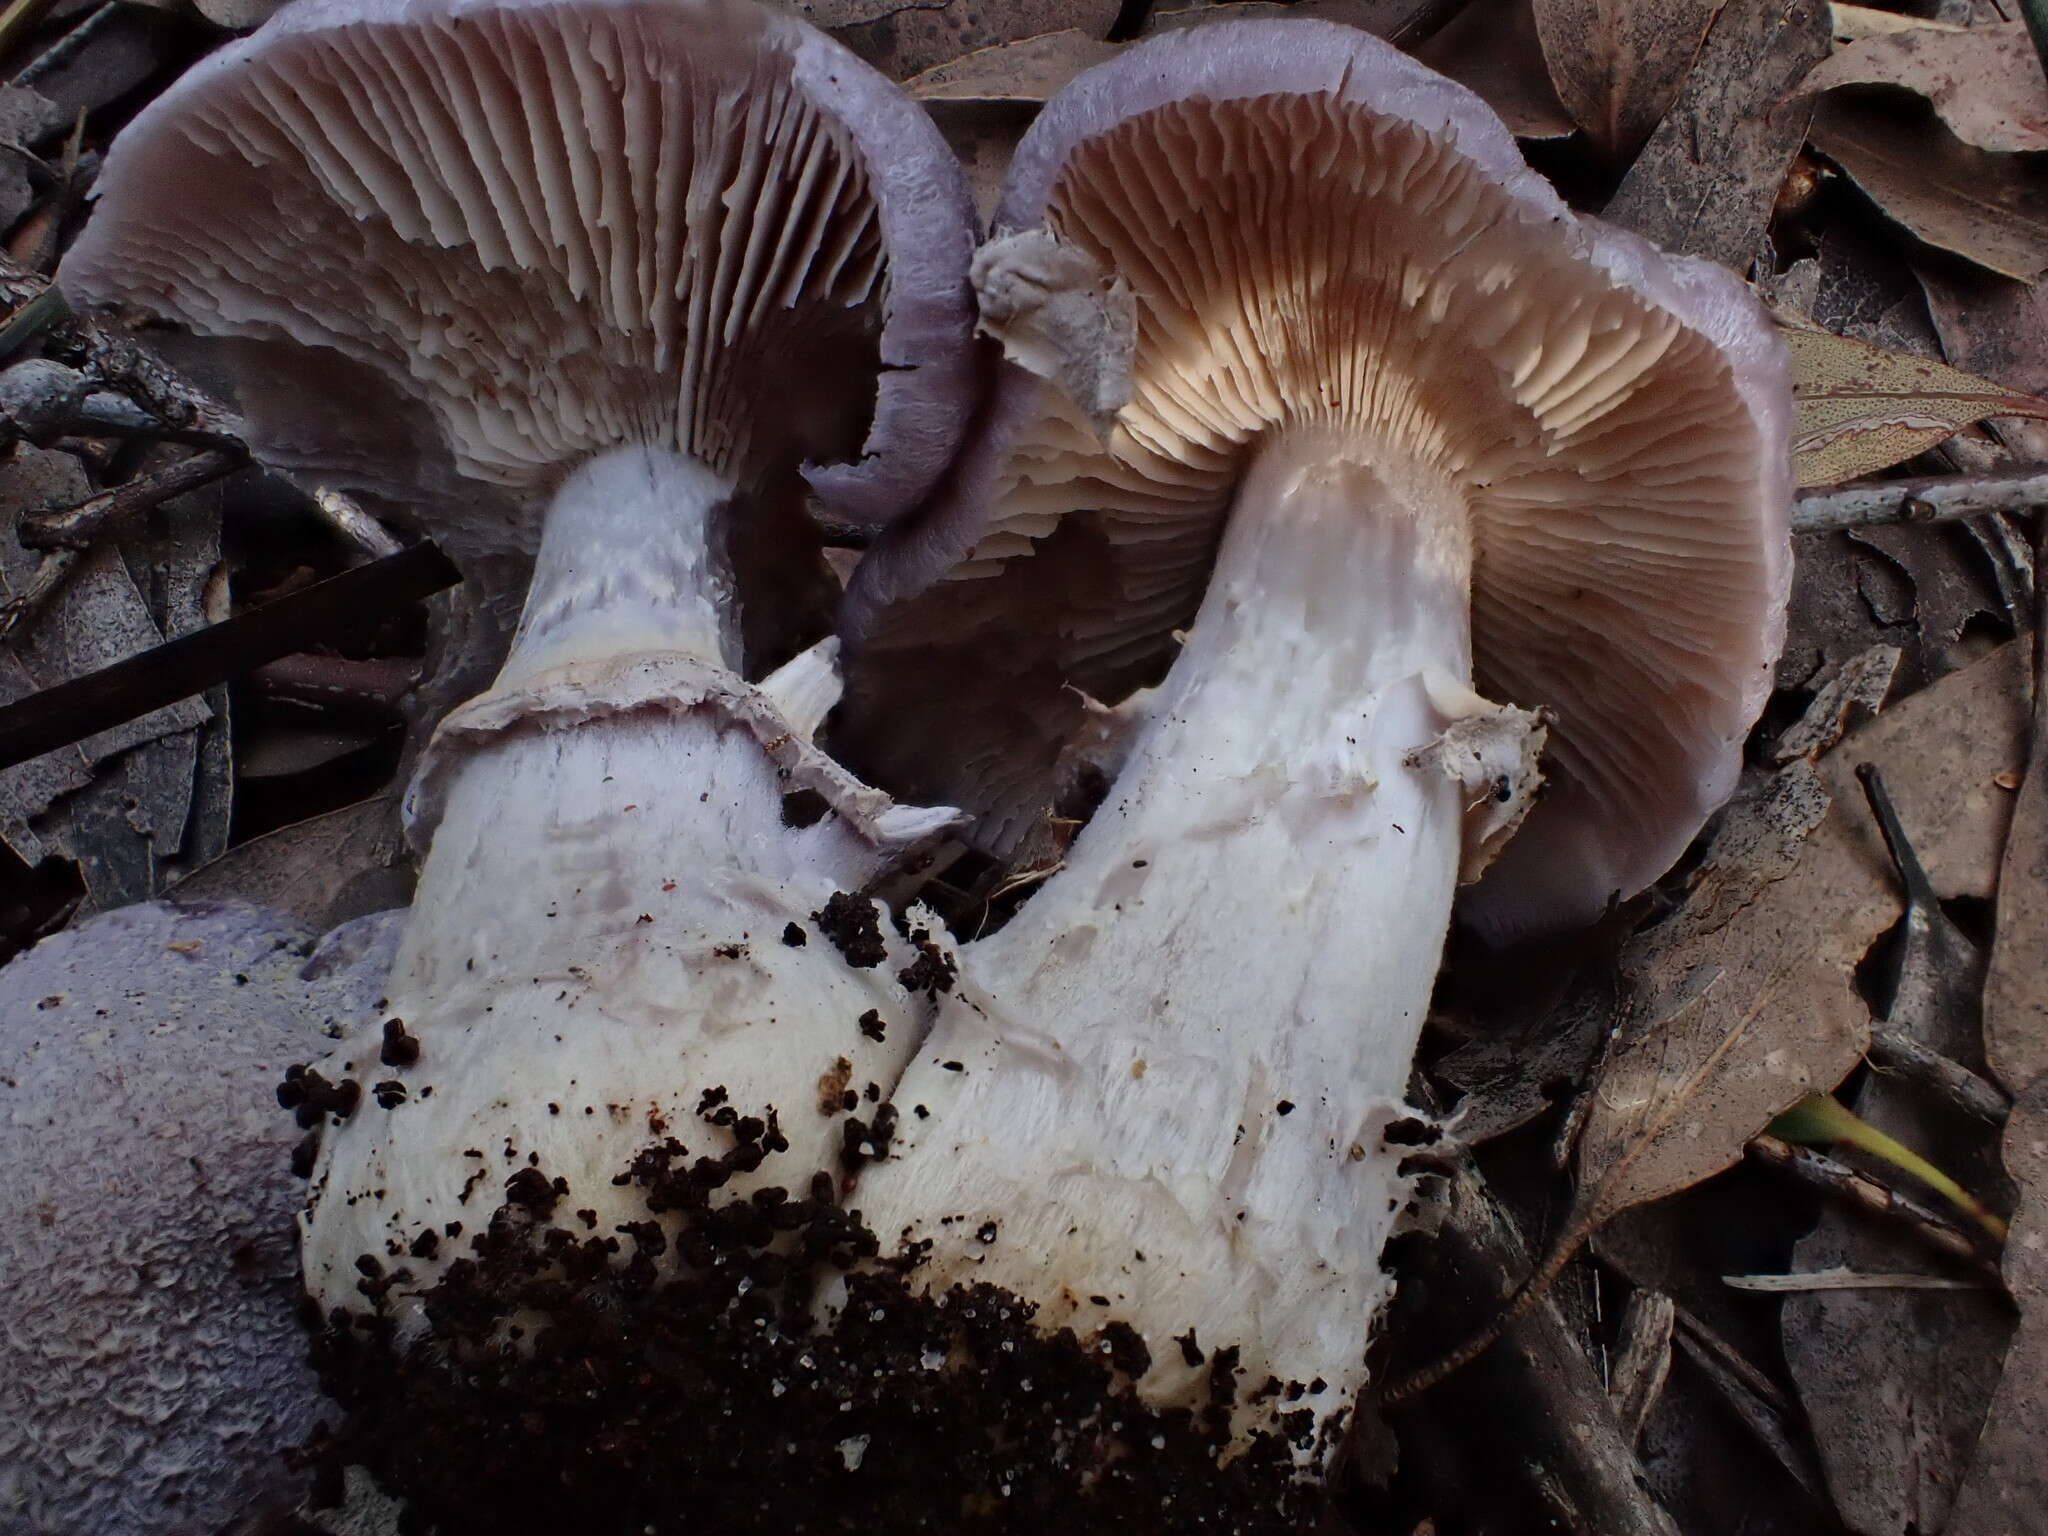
[1860, 409]
[2006, 1489]
[1618, 64]
[1990, 209]
[1984, 82]
[1490, 47]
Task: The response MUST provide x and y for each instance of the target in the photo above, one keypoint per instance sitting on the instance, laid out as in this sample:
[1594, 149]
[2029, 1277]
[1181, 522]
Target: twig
[192, 663]
[1929, 499]
[1950, 1081]
[24, 605]
[76, 527]
[341, 513]
[1763, 1420]
[17, 19]
[371, 692]
[65, 47]
[1643, 1362]
[1841, 1182]
[1841, 1278]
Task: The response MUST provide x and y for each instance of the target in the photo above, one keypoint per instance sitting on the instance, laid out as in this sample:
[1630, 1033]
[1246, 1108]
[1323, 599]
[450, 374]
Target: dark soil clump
[854, 925]
[676, 1382]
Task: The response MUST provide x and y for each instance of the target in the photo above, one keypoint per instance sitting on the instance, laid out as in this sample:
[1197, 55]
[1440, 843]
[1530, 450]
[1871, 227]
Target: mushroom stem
[1168, 1083]
[629, 561]
[617, 915]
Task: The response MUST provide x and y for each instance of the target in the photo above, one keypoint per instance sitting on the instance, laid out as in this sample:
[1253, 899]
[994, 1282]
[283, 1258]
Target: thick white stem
[615, 915]
[1167, 1083]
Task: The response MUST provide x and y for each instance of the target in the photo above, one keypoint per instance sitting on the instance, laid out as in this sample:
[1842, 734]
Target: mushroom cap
[151, 1361]
[445, 250]
[1318, 231]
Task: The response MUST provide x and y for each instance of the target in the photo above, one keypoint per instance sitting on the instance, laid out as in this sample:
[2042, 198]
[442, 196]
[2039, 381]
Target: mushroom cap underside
[447, 249]
[1319, 233]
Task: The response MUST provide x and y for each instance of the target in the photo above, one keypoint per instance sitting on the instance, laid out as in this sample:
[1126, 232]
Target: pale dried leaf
[1984, 82]
[1859, 408]
[1490, 47]
[1853, 22]
[2006, 1490]
[1990, 209]
[1028, 70]
[1709, 176]
[1618, 64]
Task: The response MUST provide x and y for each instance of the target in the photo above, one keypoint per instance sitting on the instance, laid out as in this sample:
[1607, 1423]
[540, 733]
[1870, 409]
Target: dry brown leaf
[1984, 82]
[1738, 1004]
[1490, 48]
[1028, 70]
[1896, 1427]
[1743, 998]
[1706, 181]
[904, 39]
[2006, 1491]
[1618, 64]
[1859, 409]
[2016, 991]
[1999, 328]
[1990, 209]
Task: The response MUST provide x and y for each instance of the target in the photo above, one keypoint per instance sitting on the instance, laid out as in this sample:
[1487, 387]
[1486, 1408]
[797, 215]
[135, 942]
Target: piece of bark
[1706, 181]
[2006, 1491]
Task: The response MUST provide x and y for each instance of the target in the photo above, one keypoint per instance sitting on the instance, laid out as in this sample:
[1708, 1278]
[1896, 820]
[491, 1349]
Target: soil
[671, 1376]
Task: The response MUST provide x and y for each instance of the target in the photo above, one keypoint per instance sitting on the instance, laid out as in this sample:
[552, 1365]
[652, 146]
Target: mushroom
[1411, 466]
[151, 1364]
[610, 285]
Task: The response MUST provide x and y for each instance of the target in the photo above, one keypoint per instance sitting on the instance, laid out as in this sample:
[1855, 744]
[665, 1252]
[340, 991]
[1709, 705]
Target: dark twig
[76, 527]
[48, 577]
[1818, 1171]
[192, 663]
[1950, 1081]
